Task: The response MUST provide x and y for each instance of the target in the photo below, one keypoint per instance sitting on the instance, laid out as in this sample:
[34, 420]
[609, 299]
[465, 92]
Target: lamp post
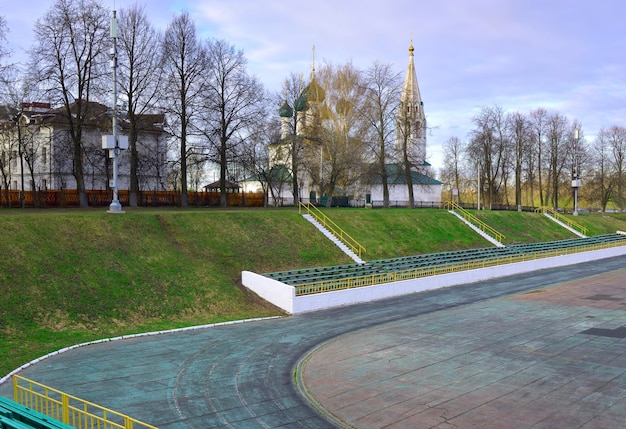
[576, 178]
[478, 186]
[112, 143]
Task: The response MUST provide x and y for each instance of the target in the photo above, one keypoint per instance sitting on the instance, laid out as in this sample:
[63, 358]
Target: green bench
[17, 416]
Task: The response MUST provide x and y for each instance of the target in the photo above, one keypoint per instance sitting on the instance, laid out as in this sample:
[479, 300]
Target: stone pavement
[550, 358]
[472, 352]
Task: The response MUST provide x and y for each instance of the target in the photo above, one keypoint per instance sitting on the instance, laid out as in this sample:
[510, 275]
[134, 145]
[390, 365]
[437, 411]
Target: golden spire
[313, 64]
[411, 48]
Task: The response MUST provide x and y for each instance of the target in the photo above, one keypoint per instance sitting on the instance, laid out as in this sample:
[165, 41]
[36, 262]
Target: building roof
[285, 111]
[411, 91]
[215, 186]
[99, 116]
[396, 176]
[314, 92]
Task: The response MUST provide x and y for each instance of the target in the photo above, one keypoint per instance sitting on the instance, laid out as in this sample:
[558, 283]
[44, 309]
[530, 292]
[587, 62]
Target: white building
[44, 160]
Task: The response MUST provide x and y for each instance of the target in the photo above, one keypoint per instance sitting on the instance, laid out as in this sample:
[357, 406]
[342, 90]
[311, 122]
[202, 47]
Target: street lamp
[576, 178]
[478, 186]
[113, 143]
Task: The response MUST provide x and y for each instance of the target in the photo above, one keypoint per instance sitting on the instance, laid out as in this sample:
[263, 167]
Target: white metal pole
[576, 173]
[115, 206]
[478, 190]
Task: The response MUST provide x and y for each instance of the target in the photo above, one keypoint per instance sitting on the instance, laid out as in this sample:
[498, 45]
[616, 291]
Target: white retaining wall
[284, 296]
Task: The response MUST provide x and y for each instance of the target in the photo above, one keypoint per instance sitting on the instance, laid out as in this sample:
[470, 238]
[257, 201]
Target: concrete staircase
[334, 239]
[569, 228]
[478, 230]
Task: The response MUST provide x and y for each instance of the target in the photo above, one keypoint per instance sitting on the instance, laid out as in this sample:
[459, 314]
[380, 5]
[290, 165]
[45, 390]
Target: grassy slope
[520, 227]
[598, 223]
[74, 276]
[401, 232]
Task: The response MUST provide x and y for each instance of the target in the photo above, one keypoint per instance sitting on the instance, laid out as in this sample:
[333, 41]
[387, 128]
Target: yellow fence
[567, 221]
[369, 280]
[70, 409]
[354, 245]
[450, 205]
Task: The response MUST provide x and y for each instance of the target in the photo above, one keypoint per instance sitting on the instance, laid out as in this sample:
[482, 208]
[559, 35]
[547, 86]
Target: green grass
[68, 278]
[400, 232]
[599, 223]
[519, 227]
[72, 276]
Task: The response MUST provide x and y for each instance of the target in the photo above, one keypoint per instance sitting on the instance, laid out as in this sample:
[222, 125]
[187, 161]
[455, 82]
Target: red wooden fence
[102, 198]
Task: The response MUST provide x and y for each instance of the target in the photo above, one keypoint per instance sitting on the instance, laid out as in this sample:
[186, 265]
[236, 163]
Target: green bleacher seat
[406, 263]
[17, 416]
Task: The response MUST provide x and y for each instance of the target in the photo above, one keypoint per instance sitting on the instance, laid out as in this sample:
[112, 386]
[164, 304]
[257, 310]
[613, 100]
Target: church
[304, 165]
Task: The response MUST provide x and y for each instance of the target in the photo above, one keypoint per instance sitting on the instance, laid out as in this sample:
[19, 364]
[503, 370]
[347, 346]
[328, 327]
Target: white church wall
[430, 193]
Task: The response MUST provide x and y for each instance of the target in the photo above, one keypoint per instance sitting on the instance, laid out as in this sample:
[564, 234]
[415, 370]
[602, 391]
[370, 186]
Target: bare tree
[383, 89]
[69, 57]
[8, 150]
[233, 103]
[4, 52]
[559, 136]
[452, 173]
[255, 158]
[341, 132]
[538, 124]
[410, 131]
[140, 79]
[519, 132]
[617, 140]
[184, 64]
[601, 182]
[488, 149]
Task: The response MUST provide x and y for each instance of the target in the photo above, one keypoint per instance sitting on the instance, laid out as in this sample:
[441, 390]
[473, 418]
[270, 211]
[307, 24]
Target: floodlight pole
[576, 180]
[478, 186]
[115, 206]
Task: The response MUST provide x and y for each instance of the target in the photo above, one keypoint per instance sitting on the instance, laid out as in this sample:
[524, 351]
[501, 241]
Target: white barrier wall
[284, 296]
[280, 294]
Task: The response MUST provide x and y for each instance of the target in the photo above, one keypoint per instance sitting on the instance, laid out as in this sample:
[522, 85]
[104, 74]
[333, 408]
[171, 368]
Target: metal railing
[558, 216]
[451, 205]
[373, 279]
[317, 214]
[69, 409]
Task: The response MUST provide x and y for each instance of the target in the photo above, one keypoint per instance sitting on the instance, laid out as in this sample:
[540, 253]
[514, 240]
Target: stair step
[334, 239]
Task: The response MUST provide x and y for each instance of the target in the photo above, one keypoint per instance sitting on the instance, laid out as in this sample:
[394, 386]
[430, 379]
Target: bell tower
[410, 120]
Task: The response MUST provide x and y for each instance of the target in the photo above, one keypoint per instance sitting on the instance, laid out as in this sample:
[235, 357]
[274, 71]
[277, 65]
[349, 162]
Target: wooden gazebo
[231, 187]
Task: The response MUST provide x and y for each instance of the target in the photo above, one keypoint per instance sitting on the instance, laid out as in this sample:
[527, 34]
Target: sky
[567, 56]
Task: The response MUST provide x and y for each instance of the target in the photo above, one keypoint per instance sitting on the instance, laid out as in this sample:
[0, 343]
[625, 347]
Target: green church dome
[285, 110]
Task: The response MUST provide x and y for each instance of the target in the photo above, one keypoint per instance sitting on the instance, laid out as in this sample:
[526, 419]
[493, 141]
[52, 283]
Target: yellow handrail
[388, 277]
[560, 217]
[451, 205]
[354, 245]
[69, 409]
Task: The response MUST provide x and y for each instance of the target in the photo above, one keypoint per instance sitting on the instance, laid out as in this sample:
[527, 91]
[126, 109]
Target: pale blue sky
[564, 55]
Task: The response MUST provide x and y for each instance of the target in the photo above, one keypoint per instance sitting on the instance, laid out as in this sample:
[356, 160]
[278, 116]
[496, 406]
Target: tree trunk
[134, 161]
[79, 174]
[184, 198]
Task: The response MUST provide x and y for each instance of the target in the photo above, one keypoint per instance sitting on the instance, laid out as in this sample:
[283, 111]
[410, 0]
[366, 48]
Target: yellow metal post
[65, 409]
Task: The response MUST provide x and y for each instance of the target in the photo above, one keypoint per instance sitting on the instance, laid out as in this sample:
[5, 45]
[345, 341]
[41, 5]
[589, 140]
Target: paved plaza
[549, 358]
[540, 350]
